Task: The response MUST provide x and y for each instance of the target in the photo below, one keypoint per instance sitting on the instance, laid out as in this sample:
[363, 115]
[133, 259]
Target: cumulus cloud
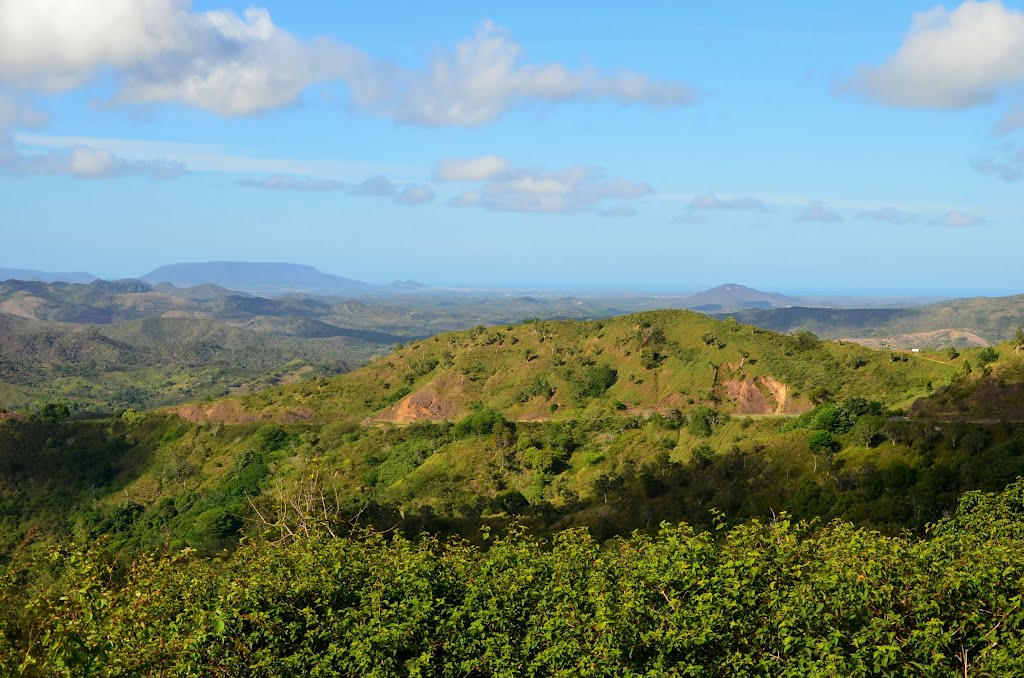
[818, 211]
[950, 59]
[958, 219]
[415, 194]
[162, 51]
[892, 215]
[283, 182]
[470, 169]
[486, 75]
[540, 190]
[710, 201]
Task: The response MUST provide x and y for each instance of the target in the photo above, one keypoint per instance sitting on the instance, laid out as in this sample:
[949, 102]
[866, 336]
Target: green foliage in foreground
[776, 599]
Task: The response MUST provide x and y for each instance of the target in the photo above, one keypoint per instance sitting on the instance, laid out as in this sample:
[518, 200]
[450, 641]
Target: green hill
[157, 361]
[614, 425]
[992, 319]
[645, 363]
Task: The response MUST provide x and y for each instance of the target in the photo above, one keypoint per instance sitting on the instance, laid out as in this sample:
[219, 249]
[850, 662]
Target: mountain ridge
[254, 276]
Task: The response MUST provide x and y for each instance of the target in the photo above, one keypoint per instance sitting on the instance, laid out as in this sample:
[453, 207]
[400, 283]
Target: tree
[988, 355]
[702, 421]
[55, 411]
[591, 381]
[821, 442]
[806, 341]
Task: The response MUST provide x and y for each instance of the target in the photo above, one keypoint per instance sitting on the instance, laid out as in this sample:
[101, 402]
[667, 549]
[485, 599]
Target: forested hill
[643, 363]
[604, 423]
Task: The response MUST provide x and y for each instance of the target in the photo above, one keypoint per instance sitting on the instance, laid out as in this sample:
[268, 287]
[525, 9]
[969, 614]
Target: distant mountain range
[256, 277]
[959, 322]
[44, 276]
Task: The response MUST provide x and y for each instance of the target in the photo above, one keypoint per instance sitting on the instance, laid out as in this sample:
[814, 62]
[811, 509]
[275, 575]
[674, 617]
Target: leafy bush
[479, 423]
[987, 355]
[821, 442]
[778, 599]
[590, 381]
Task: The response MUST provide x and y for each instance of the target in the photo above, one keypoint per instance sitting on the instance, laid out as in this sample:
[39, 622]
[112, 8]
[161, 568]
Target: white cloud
[818, 211]
[76, 160]
[538, 190]
[710, 201]
[951, 59]
[283, 182]
[958, 219]
[414, 195]
[84, 163]
[470, 169]
[485, 76]
[198, 157]
[162, 51]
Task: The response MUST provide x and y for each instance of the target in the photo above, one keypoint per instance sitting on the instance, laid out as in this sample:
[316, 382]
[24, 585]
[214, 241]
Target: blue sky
[870, 147]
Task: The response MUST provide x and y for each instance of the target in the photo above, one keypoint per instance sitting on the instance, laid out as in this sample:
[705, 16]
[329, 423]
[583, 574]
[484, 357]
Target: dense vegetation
[494, 502]
[110, 345]
[758, 599]
[662, 360]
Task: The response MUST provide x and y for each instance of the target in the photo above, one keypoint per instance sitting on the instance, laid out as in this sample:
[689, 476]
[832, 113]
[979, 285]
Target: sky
[831, 147]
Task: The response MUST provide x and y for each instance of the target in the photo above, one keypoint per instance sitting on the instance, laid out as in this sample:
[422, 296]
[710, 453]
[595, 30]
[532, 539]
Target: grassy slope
[591, 463]
[661, 359]
[156, 361]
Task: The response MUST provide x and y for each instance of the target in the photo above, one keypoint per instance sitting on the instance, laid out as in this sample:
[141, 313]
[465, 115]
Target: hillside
[962, 322]
[175, 344]
[158, 361]
[613, 425]
[642, 363]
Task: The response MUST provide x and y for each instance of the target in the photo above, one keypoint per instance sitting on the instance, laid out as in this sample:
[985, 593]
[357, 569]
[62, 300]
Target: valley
[203, 421]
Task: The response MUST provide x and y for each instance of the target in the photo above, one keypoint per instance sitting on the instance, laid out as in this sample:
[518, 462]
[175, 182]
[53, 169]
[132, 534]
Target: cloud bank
[162, 51]
[504, 188]
[486, 75]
